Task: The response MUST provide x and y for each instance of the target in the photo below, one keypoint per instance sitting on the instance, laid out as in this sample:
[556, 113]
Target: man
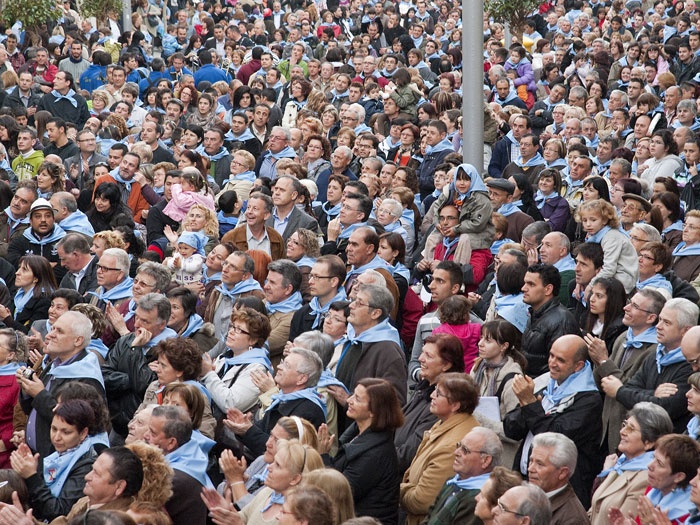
[74, 255]
[617, 100]
[673, 97]
[123, 177]
[26, 164]
[530, 162]
[170, 430]
[15, 56]
[569, 401]
[80, 168]
[74, 63]
[549, 320]
[475, 457]
[243, 136]
[150, 134]
[23, 95]
[39, 239]
[126, 371]
[687, 65]
[256, 234]
[114, 283]
[208, 72]
[282, 300]
[554, 250]
[663, 376]
[690, 346]
[604, 152]
[506, 95]
[507, 149]
[523, 505]
[63, 101]
[157, 220]
[236, 281]
[59, 143]
[117, 81]
[286, 217]
[40, 68]
[340, 165]
[69, 217]
[326, 287]
[217, 154]
[217, 41]
[438, 148]
[253, 66]
[14, 219]
[552, 463]
[278, 148]
[629, 352]
[634, 210]
[259, 123]
[581, 168]
[68, 360]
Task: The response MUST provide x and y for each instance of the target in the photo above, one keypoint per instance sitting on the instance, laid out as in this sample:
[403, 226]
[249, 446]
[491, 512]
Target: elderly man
[634, 210]
[690, 347]
[554, 250]
[126, 371]
[282, 300]
[501, 194]
[524, 505]
[278, 148]
[255, 234]
[14, 219]
[68, 360]
[476, 455]
[663, 376]
[114, 283]
[131, 190]
[170, 429]
[568, 400]
[297, 376]
[340, 160]
[629, 352]
[69, 217]
[74, 255]
[552, 463]
[286, 216]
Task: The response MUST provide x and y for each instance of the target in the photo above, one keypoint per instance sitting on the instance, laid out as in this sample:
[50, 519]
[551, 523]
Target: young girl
[520, 72]
[553, 207]
[406, 94]
[191, 190]
[188, 261]
[453, 314]
[600, 222]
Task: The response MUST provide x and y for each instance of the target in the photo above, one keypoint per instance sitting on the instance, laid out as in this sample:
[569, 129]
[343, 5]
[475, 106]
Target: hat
[40, 204]
[195, 239]
[641, 200]
[501, 184]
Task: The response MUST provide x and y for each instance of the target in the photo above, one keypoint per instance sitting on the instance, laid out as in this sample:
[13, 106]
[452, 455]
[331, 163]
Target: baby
[188, 261]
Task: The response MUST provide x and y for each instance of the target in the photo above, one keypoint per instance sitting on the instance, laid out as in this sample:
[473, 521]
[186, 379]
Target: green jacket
[27, 167]
[453, 505]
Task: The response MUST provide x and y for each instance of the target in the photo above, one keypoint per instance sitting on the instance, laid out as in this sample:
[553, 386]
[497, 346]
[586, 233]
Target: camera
[28, 373]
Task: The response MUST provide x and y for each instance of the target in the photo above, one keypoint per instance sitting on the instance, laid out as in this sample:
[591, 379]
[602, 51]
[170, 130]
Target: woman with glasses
[317, 156]
[242, 176]
[307, 506]
[452, 402]
[686, 256]
[654, 262]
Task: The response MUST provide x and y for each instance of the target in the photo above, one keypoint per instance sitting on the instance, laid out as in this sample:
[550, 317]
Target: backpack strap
[505, 380]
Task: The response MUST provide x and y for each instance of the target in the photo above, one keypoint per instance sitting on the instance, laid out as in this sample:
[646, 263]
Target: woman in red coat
[13, 348]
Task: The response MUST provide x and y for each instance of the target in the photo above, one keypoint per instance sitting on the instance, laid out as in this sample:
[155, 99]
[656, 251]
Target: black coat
[417, 419]
[37, 308]
[369, 463]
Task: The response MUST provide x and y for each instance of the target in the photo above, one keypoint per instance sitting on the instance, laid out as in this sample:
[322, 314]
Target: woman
[366, 455]
[317, 154]
[298, 93]
[303, 249]
[330, 209]
[50, 179]
[228, 379]
[13, 350]
[453, 401]
[389, 215]
[553, 207]
[524, 196]
[35, 282]
[190, 158]
[641, 155]
[604, 318]
[665, 160]
[669, 204]
[60, 484]
[205, 114]
[242, 176]
[403, 154]
[500, 481]
[198, 219]
[686, 260]
[441, 353]
[185, 320]
[595, 187]
[335, 323]
[188, 96]
[242, 99]
[329, 119]
[106, 239]
[307, 506]
[594, 105]
[654, 261]
[554, 154]
[192, 138]
[107, 210]
[392, 249]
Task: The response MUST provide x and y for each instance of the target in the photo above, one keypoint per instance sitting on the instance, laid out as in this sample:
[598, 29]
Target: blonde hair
[111, 239]
[211, 228]
[300, 458]
[333, 483]
[603, 208]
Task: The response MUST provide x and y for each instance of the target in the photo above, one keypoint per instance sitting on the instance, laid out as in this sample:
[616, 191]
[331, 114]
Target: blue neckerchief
[565, 263]
[656, 281]
[556, 163]
[331, 213]
[117, 176]
[477, 183]
[249, 285]
[216, 156]
[206, 279]
[87, 367]
[416, 43]
[378, 333]
[537, 160]
[77, 222]
[98, 346]
[201, 388]
[400, 269]
[496, 245]
[319, 311]
[257, 356]
[512, 95]
[203, 442]
[335, 95]
[9, 369]
[626, 465]
[56, 235]
[276, 498]
[21, 300]
[647, 336]
[362, 128]
[310, 394]
[508, 209]
[693, 427]
[57, 466]
[668, 358]
[14, 222]
[196, 240]
[409, 216]
[248, 176]
[682, 250]
[449, 244]
[246, 135]
[376, 263]
[44, 194]
[597, 237]
[512, 309]
[541, 198]
[395, 227]
[286, 153]
[473, 483]
[550, 105]
[328, 379]
[194, 323]
[581, 381]
[290, 304]
[70, 97]
[190, 459]
[676, 226]
[306, 261]
[130, 310]
[226, 223]
[387, 74]
[443, 145]
[593, 143]
[121, 291]
[676, 503]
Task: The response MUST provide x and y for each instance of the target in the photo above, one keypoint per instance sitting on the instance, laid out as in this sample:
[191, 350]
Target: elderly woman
[453, 401]
[686, 256]
[303, 249]
[317, 154]
[242, 175]
[654, 261]
[554, 154]
[389, 215]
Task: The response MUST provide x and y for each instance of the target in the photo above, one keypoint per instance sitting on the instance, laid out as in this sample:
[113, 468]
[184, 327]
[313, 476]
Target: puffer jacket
[546, 325]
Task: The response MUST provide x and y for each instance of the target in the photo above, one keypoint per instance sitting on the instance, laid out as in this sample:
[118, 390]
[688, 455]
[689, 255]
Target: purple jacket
[556, 212]
[525, 74]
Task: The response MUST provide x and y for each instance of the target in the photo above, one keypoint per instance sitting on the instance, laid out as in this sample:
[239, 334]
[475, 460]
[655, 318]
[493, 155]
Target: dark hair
[454, 310]
[383, 403]
[395, 242]
[548, 274]
[460, 388]
[127, 466]
[86, 392]
[183, 354]
[510, 278]
[523, 183]
[683, 454]
[614, 303]
[450, 350]
[188, 299]
[667, 137]
[42, 270]
[591, 251]
[671, 202]
[600, 185]
[77, 413]
[193, 398]
[504, 332]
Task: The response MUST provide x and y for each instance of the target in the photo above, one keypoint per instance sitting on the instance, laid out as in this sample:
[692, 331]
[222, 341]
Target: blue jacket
[152, 80]
[210, 73]
[94, 77]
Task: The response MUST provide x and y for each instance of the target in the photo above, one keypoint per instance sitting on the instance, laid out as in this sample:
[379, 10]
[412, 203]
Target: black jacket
[302, 321]
[21, 246]
[417, 419]
[89, 281]
[369, 463]
[37, 308]
[681, 289]
[546, 325]
[157, 221]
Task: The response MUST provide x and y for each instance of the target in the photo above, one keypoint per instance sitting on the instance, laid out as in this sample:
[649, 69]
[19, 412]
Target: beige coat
[619, 492]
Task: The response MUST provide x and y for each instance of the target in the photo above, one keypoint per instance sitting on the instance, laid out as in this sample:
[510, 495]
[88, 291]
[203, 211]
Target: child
[191, 190]
[453, 313]
[520, 72]
[406, 94]
[620, 260]
[229, 209]
[188, 261]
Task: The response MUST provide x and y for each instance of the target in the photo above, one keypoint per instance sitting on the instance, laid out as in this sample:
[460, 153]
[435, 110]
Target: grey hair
[67, 200]
[397, 207]
[623, 163]
[311, 365]
[121, 259]
[537, 229]
[563, 240]
[657, 299]
[688, 104]
[287, 134]
[562, 451]
[374, 278]
[74, 242]
[536, 505]
[492, 444]
[686, 311]
[177, 425]
[653, 420]
[377, 163]
[379, 297]
[499, 72]
[156, 301]
[249, 264]
[652, 233]
[318, 342]
[290, 272]
[625, 98]
[159, 272]
[358, 110]
[345, 151]
[80, 325]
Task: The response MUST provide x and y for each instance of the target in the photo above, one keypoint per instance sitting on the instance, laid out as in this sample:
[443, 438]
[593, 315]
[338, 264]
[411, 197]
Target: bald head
[690, 347]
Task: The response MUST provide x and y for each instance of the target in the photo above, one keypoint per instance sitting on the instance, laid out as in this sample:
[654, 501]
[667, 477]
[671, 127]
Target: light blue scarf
[194, 323]
[190, 459]
[331, 213]
[310, 394]
[667, 357]
[541, 198]
[473, 483]
[496, 245]
[290, 304]
[248, 285]
[633, 464]
[513, 309]
[347, 231]
[257, 356]
[70, 97]
[681, 250]
[21, 300]
[648, 336]
[121, 291]
[656, 281]
[57, 466]
[400, 269]
[537, 160]
[693, 427]
[676, 226]
[508, 209]
[319, 311]
[56, 235]
[306, 262]
[380, 332]
[14, 223]
[167, 333]
[565, 263]
[248, 176]
[216, 156]
[117, 176]
[9, 369]
[98, 346]
[376, 263]
[581, 381]
[130, 310]
[443, 145]
[276, 498]
[328, 379]
[78, 222]
[597, 237]
[206, 279]
[87, 368]
[676, 503]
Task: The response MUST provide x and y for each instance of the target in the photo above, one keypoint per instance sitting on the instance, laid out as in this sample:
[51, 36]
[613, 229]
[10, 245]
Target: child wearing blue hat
[187, 263]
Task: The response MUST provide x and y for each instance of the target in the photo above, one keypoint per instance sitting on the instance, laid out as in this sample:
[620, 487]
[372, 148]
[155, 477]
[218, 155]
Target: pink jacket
[469, 335]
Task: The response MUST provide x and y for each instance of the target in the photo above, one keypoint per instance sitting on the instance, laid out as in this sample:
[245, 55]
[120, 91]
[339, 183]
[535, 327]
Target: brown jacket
[567, 509]
[83, 505]
[137, 203]
[238, 236]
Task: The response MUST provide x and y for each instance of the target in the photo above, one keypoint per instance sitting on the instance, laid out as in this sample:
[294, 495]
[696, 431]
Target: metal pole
[126, 15]
[473, 83]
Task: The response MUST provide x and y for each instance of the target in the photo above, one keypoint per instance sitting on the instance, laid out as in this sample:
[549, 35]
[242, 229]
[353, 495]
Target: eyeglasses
[347, 208]
[467, 451]
[238, 330]
[236, 163]
[313, 276]
[637, 307]
[637, 239]
[629, 428]
[503, 509]
[646, 257]
[144, 283]
[357, 302]
[107, 268]
[691, 227]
